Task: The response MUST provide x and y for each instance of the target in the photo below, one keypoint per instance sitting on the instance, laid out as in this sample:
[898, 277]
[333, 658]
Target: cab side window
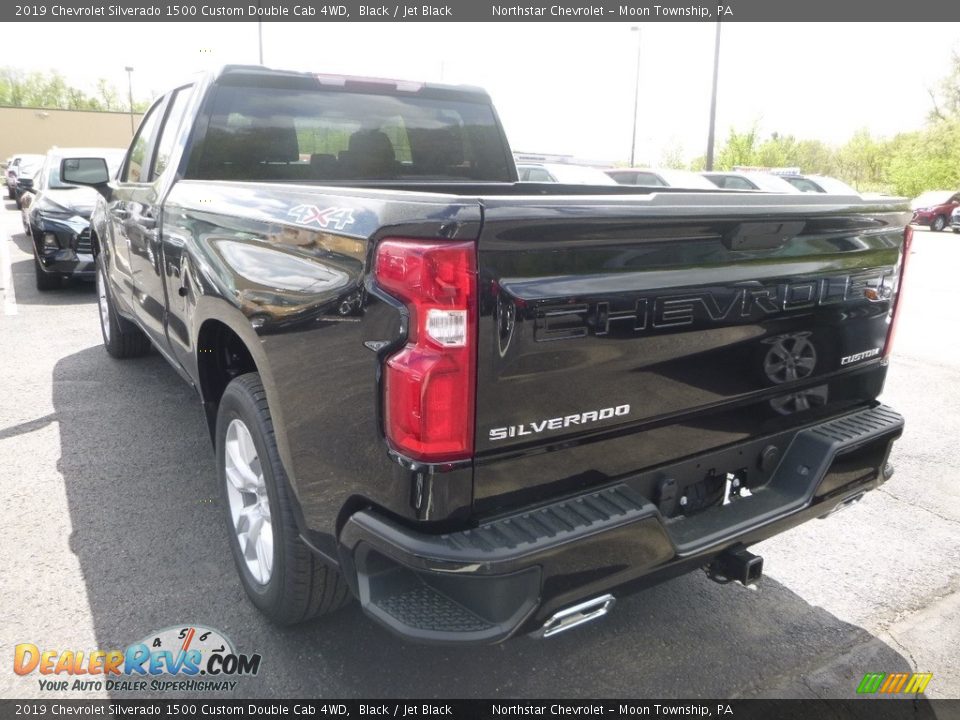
[136, 167]
[169, 133]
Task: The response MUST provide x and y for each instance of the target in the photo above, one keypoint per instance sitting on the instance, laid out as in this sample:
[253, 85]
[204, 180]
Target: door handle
[120, 213]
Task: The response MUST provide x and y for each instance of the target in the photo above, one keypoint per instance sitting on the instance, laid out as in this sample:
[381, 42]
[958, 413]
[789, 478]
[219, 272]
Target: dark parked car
[937, 214]
[58, 220]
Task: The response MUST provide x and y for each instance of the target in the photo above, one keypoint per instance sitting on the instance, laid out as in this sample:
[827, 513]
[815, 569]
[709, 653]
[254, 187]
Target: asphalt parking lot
[112, 530]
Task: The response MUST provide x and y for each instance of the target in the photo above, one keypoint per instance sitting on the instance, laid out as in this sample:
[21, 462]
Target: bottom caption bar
[915, 708]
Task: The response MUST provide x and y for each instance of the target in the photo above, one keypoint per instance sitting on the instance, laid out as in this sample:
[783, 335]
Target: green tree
[672, 157]
[739, 149]
[862, 160]
[107, 94]
[928, 159]
[946, 97]
[51, 90]
[815, 157]
[776, 151]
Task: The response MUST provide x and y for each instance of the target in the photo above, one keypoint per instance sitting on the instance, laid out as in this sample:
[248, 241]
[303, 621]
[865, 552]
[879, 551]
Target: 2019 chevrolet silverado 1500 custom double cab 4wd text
[485, 407]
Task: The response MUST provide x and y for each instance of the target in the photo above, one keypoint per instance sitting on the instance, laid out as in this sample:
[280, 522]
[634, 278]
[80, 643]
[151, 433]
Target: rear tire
[939, 223]
[121, 338]
[10, 195]
[286, 580]
[45, 281]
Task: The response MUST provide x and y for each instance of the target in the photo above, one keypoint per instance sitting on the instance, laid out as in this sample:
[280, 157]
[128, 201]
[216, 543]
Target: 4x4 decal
[333, 217]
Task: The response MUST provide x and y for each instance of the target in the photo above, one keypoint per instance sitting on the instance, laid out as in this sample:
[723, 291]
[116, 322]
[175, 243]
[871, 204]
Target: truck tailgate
[620, 334]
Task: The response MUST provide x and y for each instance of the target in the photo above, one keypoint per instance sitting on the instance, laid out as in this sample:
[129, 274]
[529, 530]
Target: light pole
[636, 100]
[713, 100]
[130, 94]
[260, 39]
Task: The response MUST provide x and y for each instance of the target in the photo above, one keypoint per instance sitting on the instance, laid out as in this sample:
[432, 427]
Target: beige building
[36, 130]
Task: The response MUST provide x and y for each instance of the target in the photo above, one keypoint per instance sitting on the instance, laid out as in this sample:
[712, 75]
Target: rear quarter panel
[287, 268]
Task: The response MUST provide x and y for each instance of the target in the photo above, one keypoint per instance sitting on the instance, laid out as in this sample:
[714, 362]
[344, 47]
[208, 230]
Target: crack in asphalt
[889, 494]
[808, 686]
[903, 648]
[805, 669]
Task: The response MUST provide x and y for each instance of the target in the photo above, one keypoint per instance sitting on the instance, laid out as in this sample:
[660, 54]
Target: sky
[567, 88]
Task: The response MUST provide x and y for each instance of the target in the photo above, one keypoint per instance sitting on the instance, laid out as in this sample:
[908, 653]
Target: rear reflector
[429, 385]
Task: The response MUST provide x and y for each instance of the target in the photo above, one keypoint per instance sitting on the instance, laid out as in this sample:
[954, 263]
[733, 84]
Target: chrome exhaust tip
[576, 615]
[843, 505]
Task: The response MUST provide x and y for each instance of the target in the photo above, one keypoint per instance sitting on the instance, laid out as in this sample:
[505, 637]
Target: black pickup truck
[485, 407]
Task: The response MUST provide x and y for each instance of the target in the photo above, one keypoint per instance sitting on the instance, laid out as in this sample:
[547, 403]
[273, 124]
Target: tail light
[898, 300]
[429, 384]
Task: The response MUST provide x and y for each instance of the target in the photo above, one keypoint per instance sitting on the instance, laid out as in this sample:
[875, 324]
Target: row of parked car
[55, 214]
[936, 209]
[668, 177]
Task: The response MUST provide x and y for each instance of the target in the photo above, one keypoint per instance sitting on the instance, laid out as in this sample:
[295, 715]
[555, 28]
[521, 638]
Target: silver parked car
[12, 171]
[749, 180]
[819, 184]
[561, 173]
[660, 177]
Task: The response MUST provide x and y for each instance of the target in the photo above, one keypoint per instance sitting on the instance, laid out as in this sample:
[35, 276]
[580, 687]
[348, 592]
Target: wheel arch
[221, 355]
[227, 346]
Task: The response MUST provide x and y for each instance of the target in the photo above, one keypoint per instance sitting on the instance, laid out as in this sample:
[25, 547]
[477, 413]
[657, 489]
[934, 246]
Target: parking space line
[6, 278]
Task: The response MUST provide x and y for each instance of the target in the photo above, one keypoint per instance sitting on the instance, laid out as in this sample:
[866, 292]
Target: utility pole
[260, 39]
[713, 101]
[636, 100]
[130, 95]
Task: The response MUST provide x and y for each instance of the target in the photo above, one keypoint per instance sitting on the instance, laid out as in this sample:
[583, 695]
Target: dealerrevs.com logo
[189, 658]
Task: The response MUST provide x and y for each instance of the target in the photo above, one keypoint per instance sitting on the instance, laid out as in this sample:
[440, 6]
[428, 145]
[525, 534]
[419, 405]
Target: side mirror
[91, 172]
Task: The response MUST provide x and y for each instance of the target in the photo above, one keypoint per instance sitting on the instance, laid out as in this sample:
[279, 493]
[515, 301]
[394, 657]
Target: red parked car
[935, 212]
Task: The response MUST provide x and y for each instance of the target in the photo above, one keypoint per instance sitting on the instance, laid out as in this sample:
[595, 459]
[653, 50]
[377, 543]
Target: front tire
[121, 338]
[939, 222]
[280, 574]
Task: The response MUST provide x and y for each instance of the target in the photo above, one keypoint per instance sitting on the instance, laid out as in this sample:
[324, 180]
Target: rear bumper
[509, 575]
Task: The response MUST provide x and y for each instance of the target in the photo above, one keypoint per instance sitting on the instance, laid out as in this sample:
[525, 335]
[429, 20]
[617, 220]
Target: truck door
[133, 213]
[160, 261]
[118, 209]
